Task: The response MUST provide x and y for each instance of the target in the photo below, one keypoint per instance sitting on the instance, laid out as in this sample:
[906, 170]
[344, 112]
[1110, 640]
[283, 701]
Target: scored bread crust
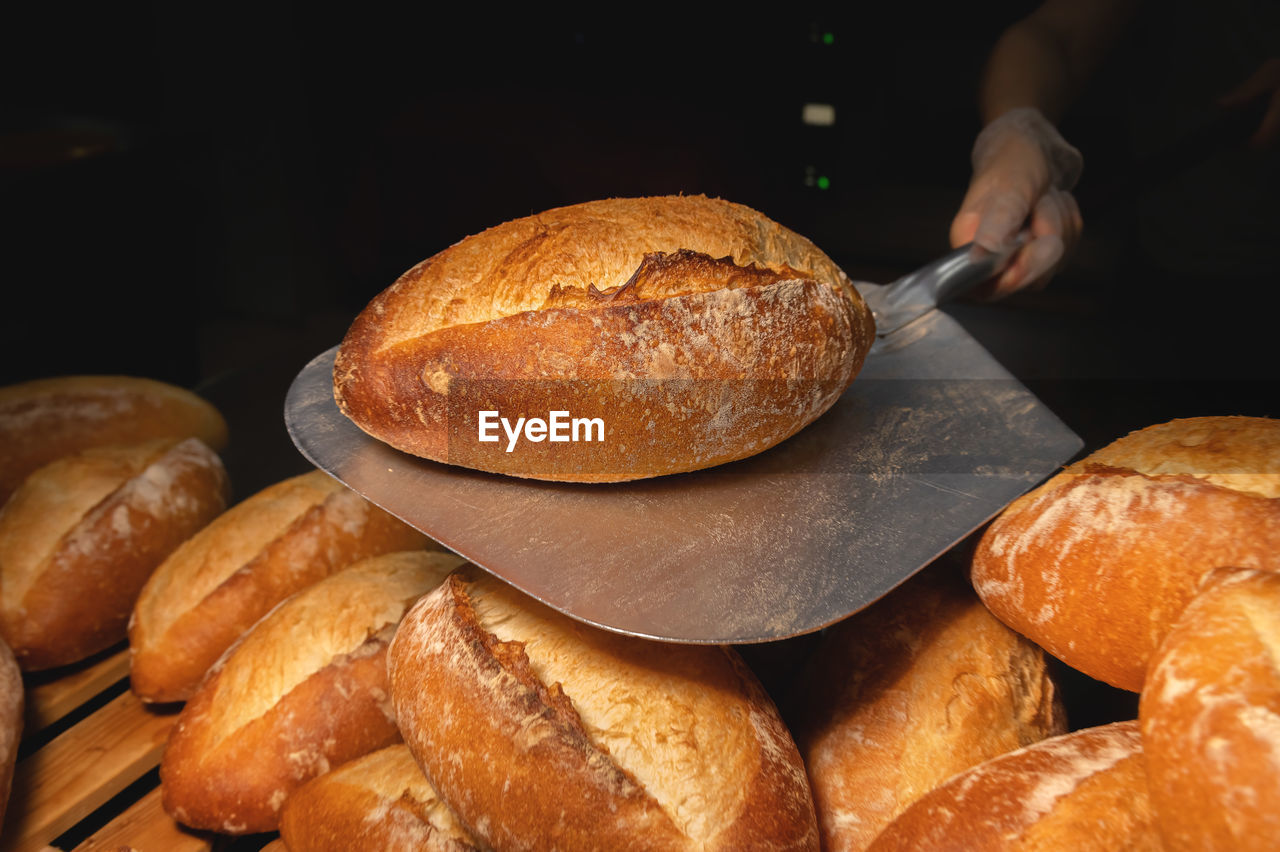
[301, 692]
[1084, 791]
[681, 748]
[380, 801]
[1210, 712]
[216, 585]
[46, 419]
[698, 330]
[1096, 564]
[897, 699]
[80, 537]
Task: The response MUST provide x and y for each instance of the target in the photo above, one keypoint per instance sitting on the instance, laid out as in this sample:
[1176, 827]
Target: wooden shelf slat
[147, 828]
[49, 702]
[79, 770]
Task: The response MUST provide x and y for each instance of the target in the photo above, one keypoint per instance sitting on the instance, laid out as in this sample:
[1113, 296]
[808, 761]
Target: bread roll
[46, 419]
[380, 801]
[303, 691]
[80, 537]
[907, 693]
[12, 703]
[280, 540]
[541, 732]
[698, 331]
[1098, 562]
[1210, 714]
[1080, 792]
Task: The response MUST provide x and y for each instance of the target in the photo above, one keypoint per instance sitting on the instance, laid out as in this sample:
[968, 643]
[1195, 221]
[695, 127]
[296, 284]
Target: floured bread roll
[303, 691]
[381, 801]
[12, 703]
[1081, 792]
[696, 331]
[1097, 563]
[216, 585]
[46, 419]
[1210, 714]
[81, 535]
[907, 693]
[544, 733]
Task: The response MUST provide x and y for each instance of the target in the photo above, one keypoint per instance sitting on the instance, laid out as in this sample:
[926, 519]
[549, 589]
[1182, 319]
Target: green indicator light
[824, 182]
[828, 38]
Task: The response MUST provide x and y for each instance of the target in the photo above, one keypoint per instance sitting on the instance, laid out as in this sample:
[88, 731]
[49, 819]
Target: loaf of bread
[81, 535]
[1080, 792]
[696, 331]
[380, 801]
[1210, 714]
[46, 419]
[541, 732]
[1097, 563]
[302, 692]
[907, 693]
[12, 703]
[277, 542]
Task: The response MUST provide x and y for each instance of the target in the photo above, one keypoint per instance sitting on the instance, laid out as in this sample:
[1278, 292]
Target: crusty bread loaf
[303, 691]
[1210, 714]
[81, 535]
[541, 732]
[1098, 562]
[697, 330]
[381, 801]
[1080, 792]
[907, 693]
[46, 419]
[278, 541]
[12, 702]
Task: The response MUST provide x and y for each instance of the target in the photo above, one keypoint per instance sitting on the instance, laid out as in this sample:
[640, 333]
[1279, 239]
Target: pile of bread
[347, 684]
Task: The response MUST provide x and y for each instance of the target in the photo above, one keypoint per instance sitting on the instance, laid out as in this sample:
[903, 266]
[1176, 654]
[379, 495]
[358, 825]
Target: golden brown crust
[264, 549]
[1210, 712]
[303, 691]
[380, 801]
[899, 698]
[613, 742]
[1097, 563]
[12, 702]
[81, 536]
[46, 419]
[239, 788]
[613, 309]
[1080, 792]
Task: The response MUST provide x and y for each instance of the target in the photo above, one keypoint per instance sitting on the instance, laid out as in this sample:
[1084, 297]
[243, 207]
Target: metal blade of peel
[932, 440]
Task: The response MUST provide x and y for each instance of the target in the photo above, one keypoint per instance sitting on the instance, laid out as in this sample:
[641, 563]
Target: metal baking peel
[933, 439]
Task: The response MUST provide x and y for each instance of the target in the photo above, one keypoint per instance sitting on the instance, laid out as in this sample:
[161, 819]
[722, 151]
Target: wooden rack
[86, 777]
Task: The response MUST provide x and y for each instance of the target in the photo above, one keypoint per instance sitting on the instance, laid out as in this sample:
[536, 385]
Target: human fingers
[992, 213]
[1054, 230]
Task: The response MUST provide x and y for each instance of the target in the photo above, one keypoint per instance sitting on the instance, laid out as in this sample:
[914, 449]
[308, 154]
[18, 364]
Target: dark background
[208, 196]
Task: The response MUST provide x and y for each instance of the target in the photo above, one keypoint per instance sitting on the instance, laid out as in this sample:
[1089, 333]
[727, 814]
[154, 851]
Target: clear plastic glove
[1023, 172]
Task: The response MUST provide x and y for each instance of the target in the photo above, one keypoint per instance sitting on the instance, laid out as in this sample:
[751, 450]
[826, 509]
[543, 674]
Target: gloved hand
[1023, 171]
